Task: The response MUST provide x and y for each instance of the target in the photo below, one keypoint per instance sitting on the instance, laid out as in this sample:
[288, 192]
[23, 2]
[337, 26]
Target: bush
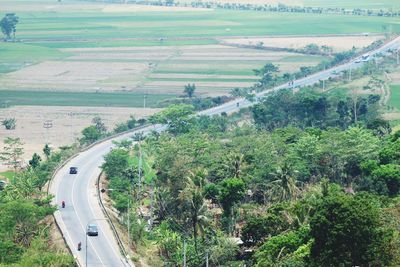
[9, 123]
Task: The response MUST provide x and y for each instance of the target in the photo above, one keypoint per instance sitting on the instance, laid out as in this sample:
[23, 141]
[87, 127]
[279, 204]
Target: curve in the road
[79, 191]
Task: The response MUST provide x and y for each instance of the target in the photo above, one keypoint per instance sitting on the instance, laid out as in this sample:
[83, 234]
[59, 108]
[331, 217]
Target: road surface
[79, 191]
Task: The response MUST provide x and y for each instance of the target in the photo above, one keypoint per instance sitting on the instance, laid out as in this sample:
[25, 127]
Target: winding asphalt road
[80, 194]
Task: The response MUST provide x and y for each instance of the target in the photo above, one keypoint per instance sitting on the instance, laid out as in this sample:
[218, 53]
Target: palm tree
[284, 187]
[235, 164]
[192, 196]
[23, 186]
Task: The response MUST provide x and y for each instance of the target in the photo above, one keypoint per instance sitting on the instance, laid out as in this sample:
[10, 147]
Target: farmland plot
[67, 123]
[215, 69]
[337, 43]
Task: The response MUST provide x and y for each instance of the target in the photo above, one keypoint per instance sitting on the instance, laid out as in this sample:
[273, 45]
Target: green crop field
[49, 31]
[42, 98]
[105, 26]
[395, 96]
[367, 4]
[69, 22]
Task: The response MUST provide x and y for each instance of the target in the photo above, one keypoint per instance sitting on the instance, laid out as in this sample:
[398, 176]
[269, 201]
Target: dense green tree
[390, 152]
[9, 123]
[35, 161]
[379, 126]
[311, 109]
[189, 90]
[99, 124]
[176, 116]
[258, 228]
[20, 221]
[47, 151]
[116, 163]
[387, 179]
[347, 231]
[277, 247]
[172, 113]
[121, 127]
[267, 74]
[342, 153]
[232, 191]
[131, 123]
[240, 176]
[211, 191]
[312, 49]
[90, 135]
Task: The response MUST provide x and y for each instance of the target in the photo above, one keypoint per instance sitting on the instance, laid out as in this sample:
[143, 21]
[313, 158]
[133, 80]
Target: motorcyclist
[79, 246]
[63, 204]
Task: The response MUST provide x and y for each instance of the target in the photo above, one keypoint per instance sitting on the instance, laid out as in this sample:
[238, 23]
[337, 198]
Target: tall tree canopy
[9, 25]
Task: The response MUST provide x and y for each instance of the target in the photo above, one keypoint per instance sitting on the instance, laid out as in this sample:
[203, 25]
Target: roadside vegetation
[305, 177]
[26, 224]
[286, 187]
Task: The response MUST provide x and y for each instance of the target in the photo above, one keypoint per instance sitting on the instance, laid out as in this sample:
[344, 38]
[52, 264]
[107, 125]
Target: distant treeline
[268, 8]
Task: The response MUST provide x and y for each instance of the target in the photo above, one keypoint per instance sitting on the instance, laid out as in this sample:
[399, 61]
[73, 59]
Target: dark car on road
[92, 230]
[73, 170]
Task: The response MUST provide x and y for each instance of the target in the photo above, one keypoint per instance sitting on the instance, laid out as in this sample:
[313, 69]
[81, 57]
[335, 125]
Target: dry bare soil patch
[338, 43]
[215, 69]
[67, 124]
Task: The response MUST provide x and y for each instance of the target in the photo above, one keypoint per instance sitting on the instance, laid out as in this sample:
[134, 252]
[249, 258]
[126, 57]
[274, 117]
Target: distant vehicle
[73, 170]
[92, 230]
[365, 58]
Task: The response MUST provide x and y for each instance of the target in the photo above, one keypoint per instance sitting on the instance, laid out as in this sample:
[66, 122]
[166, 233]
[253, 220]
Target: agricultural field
[337, 43]
[394, 100]
[104, 59]
[394, 104]
[67, 123]
[81, 46]
[154, 70]
[395, 97]
[367, 4]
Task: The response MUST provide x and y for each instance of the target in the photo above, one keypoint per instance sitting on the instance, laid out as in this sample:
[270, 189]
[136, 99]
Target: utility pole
[151, 205]
[129, 218]
[140, 169]
[350, 74]
[144, 100]
[398, 59]
[70, 128]
[184, 252]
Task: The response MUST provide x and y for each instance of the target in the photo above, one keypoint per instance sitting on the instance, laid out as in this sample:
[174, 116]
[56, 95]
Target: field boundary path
[218, 38]
[79, 190]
